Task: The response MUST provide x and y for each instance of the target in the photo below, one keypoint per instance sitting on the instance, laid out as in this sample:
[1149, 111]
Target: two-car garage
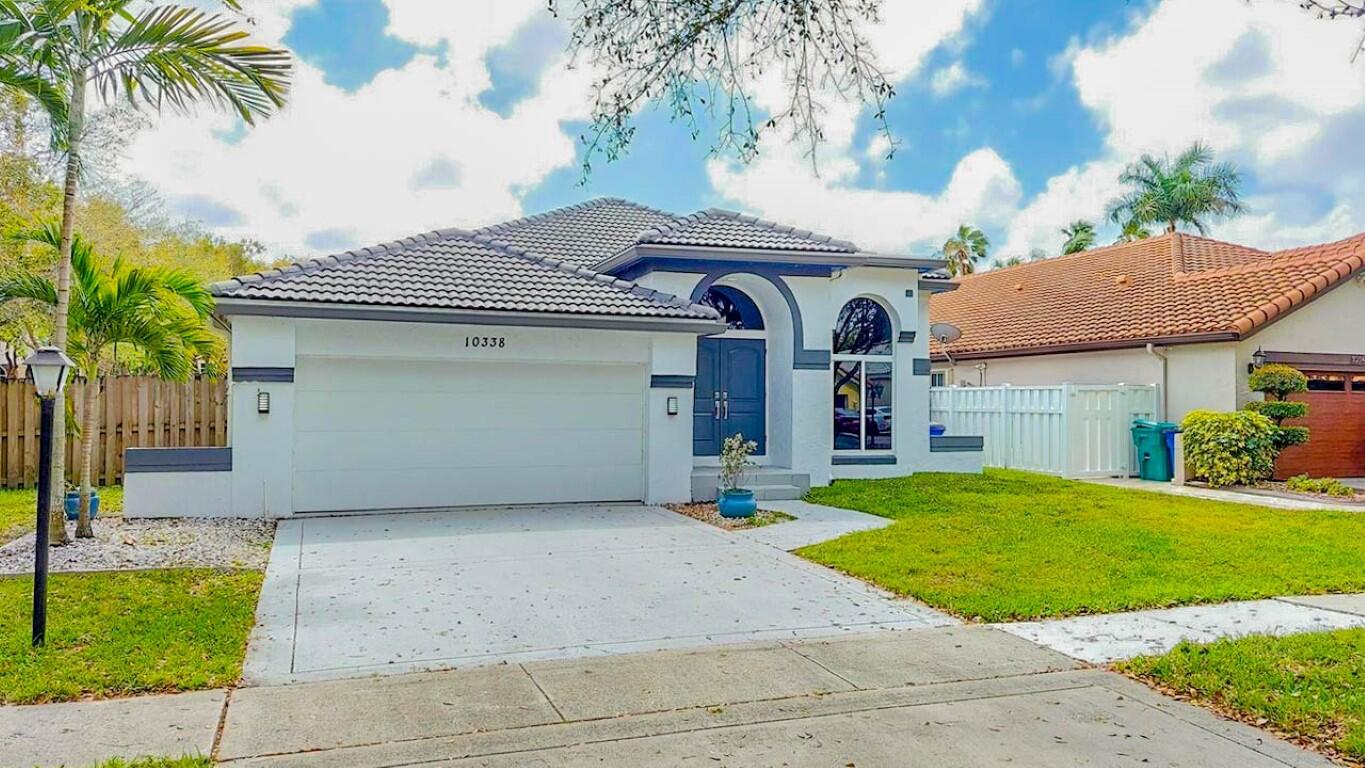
[385, 433]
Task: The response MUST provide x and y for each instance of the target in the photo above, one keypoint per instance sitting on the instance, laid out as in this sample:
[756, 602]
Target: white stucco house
[1188, 313]
[599, 352]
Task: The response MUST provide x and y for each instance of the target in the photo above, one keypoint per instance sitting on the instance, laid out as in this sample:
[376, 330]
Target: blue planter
[73, 504]
[737, 503]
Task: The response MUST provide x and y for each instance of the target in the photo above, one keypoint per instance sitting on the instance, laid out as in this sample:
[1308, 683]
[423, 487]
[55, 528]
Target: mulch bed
[707, 512]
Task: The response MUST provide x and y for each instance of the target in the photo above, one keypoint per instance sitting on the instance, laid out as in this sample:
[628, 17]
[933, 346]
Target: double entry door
[730, 395]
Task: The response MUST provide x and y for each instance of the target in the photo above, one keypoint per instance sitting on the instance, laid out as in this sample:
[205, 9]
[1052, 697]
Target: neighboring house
[599, 352]
[1185, 312]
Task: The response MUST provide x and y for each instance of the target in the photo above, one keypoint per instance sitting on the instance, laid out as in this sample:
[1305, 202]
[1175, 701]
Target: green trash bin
[1149, 438]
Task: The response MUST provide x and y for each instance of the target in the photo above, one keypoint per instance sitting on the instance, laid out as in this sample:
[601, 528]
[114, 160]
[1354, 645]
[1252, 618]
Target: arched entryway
[730, 396]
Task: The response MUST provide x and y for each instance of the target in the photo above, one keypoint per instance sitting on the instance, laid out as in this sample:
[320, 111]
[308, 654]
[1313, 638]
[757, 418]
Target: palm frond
[175, 56]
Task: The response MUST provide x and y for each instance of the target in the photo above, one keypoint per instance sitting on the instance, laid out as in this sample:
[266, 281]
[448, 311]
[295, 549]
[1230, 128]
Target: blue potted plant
[73, 503]
[734, 459]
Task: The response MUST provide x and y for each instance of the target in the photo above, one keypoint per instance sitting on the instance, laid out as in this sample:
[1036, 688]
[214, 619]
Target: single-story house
[1191, 314]
[599, 352]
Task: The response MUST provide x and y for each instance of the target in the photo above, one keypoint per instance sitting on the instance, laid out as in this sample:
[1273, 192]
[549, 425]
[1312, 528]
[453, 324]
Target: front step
[767, 483]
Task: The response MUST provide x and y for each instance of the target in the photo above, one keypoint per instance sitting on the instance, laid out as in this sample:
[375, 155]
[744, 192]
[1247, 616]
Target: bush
[1229, 448]
[1278, 410]
[1278, 380]
[1324, 485]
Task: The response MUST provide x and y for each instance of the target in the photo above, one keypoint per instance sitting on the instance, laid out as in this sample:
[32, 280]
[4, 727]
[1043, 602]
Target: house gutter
[1098, 346]
[332, 311]
[643, 251]
[1160, 355]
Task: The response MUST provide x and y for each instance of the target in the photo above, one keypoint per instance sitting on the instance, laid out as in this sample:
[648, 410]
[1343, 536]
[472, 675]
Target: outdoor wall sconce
[672, 405]
[262, 401]
[1257, 360]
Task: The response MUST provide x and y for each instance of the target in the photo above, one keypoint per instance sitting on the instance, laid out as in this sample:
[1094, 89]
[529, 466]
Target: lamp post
[48, 368]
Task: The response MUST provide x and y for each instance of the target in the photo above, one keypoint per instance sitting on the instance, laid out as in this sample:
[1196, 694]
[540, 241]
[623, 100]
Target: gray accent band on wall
[802, 358]
[956, 444]
[922, 366]
[671, 381]
[811, 360]
[907, 337]
[177, 460]
[262, 374]
[865, 461]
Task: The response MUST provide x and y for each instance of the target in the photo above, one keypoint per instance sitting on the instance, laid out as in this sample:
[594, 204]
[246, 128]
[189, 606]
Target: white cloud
[951, 79]
[411, 150]
[1079, 193]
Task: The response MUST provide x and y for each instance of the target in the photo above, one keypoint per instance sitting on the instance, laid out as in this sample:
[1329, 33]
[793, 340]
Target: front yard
[119, 634]
[1305, 687]
[1015, 545]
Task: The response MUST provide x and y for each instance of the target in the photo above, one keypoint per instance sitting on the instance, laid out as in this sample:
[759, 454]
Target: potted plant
[73, 502]
[734, 459]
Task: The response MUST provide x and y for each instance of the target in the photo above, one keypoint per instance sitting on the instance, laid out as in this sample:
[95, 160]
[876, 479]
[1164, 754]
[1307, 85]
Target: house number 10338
[486, 342]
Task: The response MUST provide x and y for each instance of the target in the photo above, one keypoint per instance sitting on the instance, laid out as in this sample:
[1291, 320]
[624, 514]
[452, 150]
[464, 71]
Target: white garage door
[404, 434]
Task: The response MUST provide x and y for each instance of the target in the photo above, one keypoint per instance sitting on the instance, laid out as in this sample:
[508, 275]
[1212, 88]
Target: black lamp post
[48, 367]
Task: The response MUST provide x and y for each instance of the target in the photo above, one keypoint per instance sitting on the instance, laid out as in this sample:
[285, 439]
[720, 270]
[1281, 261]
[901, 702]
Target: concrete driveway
[383, 594]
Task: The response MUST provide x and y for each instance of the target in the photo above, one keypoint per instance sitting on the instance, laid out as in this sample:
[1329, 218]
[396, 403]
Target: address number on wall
[486, 342]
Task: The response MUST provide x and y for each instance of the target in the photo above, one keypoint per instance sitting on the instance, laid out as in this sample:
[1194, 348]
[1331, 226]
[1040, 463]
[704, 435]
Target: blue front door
[730, 397]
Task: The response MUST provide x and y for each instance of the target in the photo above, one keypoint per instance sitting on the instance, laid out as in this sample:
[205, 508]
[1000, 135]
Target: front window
[863, 368]
[738, 311]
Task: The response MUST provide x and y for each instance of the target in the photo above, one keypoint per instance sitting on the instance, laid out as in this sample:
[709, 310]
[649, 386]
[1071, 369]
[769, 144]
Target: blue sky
[1014, 115]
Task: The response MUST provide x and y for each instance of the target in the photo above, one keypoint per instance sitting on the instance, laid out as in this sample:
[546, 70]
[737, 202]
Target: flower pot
[73, 504]
[737, 502]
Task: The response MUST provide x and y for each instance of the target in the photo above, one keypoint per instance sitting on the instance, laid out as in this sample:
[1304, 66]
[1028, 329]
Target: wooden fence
[134, 412]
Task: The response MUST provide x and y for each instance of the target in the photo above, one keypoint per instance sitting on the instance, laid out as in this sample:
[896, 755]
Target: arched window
[735, 308]
[862, 377]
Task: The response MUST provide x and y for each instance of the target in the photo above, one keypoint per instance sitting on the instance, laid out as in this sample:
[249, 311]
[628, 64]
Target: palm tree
[161, 313]
[167, 55]
[1185, 190]
[1132, 232]
[964, 249]
[1080, 235]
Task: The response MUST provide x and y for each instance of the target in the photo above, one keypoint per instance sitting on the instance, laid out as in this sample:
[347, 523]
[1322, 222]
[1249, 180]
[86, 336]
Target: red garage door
[1336, 418]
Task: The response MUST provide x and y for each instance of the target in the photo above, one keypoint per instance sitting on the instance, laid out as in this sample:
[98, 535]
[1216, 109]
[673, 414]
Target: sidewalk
[1222, 494]
[1115, 636]
[814, 523]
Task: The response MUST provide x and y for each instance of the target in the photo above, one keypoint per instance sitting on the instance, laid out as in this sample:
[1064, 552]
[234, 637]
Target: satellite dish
[945, 333]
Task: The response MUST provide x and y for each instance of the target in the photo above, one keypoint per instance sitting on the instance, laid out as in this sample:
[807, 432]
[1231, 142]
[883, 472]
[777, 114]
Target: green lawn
[1307, 687]
[117, 634]
[1014, 545]
[18, 509]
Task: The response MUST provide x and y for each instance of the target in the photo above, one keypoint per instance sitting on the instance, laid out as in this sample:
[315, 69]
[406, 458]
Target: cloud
[953, 78]
[1082, 192]
[411, 150]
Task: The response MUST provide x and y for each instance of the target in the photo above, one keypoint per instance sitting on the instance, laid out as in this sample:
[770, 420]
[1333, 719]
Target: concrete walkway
[1114, 636]
[951, 697]
[1222, 494]
[814, 523]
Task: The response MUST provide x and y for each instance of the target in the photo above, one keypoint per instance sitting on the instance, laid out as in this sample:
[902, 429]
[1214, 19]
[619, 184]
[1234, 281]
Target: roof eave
[229, 306]
[641, 251]
[1092, 346]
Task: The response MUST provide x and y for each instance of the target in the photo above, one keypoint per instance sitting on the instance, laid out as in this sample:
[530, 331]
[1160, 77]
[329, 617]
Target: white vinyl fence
[1071, 430]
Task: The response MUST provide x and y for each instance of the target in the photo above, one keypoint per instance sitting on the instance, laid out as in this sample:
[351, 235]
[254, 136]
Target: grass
[1306, 687]
[158, 762]
[18, 509]
[1015, 545]
[118, 634]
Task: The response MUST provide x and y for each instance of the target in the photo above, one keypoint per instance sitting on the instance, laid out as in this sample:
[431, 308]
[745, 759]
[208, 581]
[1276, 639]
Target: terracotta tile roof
[1167, 289]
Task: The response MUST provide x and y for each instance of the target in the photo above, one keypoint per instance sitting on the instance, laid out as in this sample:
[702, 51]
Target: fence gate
[1071, 430]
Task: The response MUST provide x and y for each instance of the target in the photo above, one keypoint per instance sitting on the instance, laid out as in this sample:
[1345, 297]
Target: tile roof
[1163, 289]
[455, 269]
[718, 228]
[582, 234]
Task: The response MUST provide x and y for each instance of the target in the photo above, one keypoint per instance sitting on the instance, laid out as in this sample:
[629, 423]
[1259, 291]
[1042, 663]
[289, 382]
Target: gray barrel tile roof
[717, 228]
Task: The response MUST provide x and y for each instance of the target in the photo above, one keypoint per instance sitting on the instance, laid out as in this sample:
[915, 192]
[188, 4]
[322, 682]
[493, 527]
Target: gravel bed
[708, 512]
[121, 544]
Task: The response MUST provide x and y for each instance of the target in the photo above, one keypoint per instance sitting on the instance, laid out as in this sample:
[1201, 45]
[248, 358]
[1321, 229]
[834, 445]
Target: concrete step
[778, 482]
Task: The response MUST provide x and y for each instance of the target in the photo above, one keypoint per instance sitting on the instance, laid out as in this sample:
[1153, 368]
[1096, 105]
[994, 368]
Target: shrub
[1278, 410]
[1278, 380]
[1229, 448]
[1325, 485]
